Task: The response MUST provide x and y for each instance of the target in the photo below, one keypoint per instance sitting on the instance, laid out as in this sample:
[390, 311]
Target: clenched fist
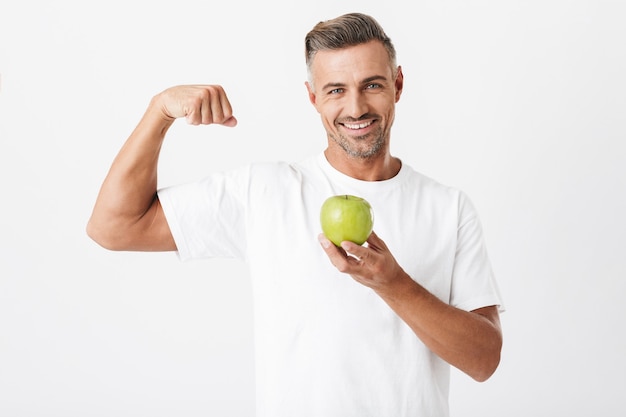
[199, 104]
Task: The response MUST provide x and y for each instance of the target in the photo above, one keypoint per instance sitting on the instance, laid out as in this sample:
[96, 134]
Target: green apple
[346, 217]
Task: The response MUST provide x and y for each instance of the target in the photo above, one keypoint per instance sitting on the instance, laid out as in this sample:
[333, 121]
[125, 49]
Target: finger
[376, 243]
[372, 242]
[337, 256]
[226, 110]
[230, 122]
[206, 112]
[214, 112]
[194, 105]
[222, 111]
[361, 253]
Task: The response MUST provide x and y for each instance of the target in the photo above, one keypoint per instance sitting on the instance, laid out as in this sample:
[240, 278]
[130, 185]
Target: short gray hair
[347, 30]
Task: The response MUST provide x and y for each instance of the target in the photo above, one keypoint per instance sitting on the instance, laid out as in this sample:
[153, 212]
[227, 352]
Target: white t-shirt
[327, 346]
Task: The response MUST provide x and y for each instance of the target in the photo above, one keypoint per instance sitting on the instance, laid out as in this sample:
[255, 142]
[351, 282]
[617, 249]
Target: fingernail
[324, 242]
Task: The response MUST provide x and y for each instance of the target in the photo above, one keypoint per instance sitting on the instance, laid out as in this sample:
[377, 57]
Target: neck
[377, 168]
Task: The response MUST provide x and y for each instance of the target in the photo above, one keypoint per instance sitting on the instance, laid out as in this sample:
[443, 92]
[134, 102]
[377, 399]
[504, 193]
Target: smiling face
[354, 90]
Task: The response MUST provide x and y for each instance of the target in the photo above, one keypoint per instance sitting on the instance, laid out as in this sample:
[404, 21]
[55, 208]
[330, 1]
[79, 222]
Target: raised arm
[127, 214]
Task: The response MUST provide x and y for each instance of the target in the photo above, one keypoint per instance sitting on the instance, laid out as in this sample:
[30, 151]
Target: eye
[372, 86]
[336, 91]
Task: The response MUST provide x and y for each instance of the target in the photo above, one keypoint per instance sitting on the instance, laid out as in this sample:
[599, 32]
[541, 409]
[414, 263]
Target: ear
[312, 97]
[399, 83]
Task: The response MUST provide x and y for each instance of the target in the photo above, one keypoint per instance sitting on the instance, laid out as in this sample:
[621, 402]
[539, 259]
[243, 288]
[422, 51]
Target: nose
[357, 104]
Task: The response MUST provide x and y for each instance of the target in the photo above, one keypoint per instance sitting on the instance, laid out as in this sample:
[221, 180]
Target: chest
[283, 236]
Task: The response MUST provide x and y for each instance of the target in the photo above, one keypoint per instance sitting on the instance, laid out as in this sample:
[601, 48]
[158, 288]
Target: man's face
[354, 91]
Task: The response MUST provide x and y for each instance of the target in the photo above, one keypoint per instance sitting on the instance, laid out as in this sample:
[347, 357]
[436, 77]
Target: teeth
[357, 126]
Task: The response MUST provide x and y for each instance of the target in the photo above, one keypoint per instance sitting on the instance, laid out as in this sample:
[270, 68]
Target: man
[422, 295]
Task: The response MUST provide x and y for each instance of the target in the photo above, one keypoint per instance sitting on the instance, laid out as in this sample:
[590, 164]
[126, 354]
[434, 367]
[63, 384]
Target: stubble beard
[365, 148]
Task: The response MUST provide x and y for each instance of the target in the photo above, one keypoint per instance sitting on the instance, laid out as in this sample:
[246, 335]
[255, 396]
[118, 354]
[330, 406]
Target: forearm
[129, 189]
[470, 341]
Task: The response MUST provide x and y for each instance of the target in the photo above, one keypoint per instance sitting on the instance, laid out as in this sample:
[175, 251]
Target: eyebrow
[365, 81]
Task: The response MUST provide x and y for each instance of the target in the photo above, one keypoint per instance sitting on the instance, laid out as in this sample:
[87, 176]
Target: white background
[521, 104]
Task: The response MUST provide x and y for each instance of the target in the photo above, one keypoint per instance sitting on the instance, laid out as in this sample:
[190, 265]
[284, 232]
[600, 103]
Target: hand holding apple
[346, 218]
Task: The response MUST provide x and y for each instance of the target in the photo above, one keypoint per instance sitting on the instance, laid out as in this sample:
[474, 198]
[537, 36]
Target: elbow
[101, 235]
[487, 370]
[489, 362]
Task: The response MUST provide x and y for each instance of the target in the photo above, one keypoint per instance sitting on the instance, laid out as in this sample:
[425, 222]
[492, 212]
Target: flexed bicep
[127, 214]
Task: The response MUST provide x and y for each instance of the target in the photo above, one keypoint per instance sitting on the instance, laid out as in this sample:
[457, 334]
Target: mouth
[357, 126]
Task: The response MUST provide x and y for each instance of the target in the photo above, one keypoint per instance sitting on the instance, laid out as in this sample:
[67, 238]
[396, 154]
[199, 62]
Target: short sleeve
[473, 282]
[207, 217]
